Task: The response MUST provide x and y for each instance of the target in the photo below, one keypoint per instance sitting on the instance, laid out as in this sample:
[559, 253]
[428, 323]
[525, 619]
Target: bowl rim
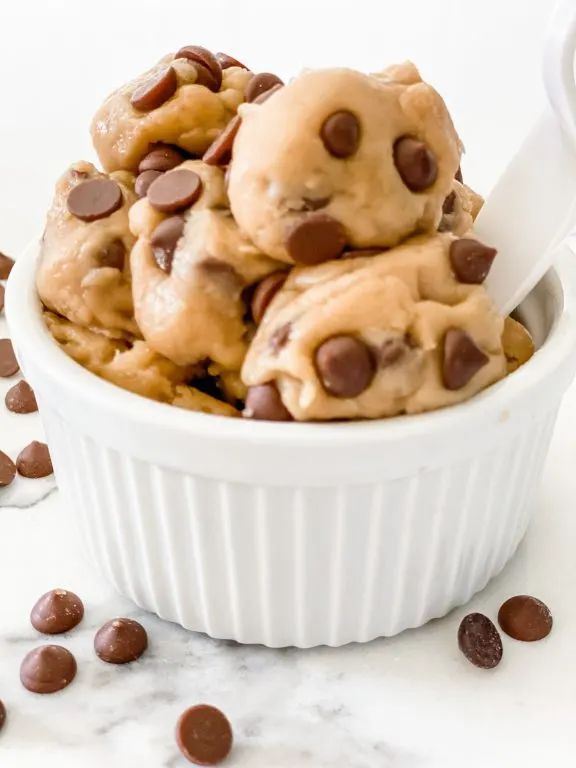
[28, 331]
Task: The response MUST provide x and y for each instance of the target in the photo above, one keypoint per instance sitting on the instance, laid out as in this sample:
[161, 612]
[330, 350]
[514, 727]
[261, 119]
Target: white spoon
[533, 205]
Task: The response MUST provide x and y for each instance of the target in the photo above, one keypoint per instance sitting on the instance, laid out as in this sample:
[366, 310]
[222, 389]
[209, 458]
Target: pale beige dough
[71, 278]
[409, 293]
[280, 161]
[191, 119]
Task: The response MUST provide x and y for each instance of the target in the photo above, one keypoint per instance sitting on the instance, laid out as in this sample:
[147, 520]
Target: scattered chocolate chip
[227, 61]
[1, 298]
[525, 618]
[206, 59]
[175, 190]
[21, 398]
[47, 669]
[156, 91]
[120, 641]
[263, 402]
[458, 175]
[264, 293]
[162, 157]
[391, 351]
[449, 203]
[204, 735]
[315, 238]
[56, 612]
[164, 240]
[95, 199]
[345, 366]
[8, 363]
[280, 338]
[471, 260]
[266, 94]
[314, 203]
[6, 264]
[2, 714]
[415, 163]
[144, 180]
[206, 78]
[480, 641]
[340, 134]
[220, 151]
[462, 359]
[7, 470]
[34, 461]
[223, 273]
[113, 255]
[259, 84]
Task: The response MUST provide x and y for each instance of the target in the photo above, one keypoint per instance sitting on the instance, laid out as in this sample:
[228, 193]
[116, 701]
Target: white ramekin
[298, 534]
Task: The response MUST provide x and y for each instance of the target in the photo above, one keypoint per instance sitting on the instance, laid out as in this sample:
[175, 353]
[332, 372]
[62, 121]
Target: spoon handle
[558, 64]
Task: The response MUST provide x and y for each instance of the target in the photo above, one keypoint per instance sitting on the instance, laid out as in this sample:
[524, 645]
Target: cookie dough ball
[460, 209]
[340, 159]
[190, 268]
[184, 101]
[84, 270]
[409, 330]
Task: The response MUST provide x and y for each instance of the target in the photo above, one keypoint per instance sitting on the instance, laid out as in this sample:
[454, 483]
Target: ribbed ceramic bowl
[298, 534]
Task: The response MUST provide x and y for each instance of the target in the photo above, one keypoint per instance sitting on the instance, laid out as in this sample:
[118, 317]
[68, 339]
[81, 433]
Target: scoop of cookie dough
[84, 270]
[405, 331]
[340, 159]
[190, 267]
[184, 101]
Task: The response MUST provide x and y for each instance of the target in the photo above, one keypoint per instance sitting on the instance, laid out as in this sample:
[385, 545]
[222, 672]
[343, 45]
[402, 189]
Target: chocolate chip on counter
[449, 203]
[144, 180]
[204, 735]
[265, 95]
[56, 612]
[259, 84]
[120, 641]
[227, 61]
[6, 264]
[21, 398]
[458, 175]
[480, 641]
[340, 134]
[34, 461]
[204, 58]
[220, 151]
[95, 199]
[462, 359]
[174, 191]
[263, 402]
[280, 337]
[2, 714]
[163, 157]
[471, 260]
[391, 351]
[7, 470]
[1, 298]
[112, 255]
[47, 669]
[8, 363]
[156, 91]
[164, 240]
[315, 238]
[525, 618]
[415, 163]
[345, 366]
[264, 293]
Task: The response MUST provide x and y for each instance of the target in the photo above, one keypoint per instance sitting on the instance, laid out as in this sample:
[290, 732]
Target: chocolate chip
[206, 59]
[2, 714]
[449, 203]
[471, 260]
[175, 190]
[206, 78]
[34, 461]
[227, 61]
[480, 641]
[144, 180]
[164, 240]
[458, 175]
[391, 351]
[47, 669]
[8, 363]
[314, 203]
[21, 398]
[345, 366]
[220, 151]
[222, 273]
[525, 618]
[259, 84]
[95, 199]
[462, 359]
[280, 338]
[6, 264]
[7, 470]
[263, 402]
[415, 163]
[163, 157]
[266, 94]
[120, 641]
[112, 255]
[264, 293]
[204, 735]
[1, 298]
[156, 91]
[56, 612]
[340, 134]
[315, 238]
